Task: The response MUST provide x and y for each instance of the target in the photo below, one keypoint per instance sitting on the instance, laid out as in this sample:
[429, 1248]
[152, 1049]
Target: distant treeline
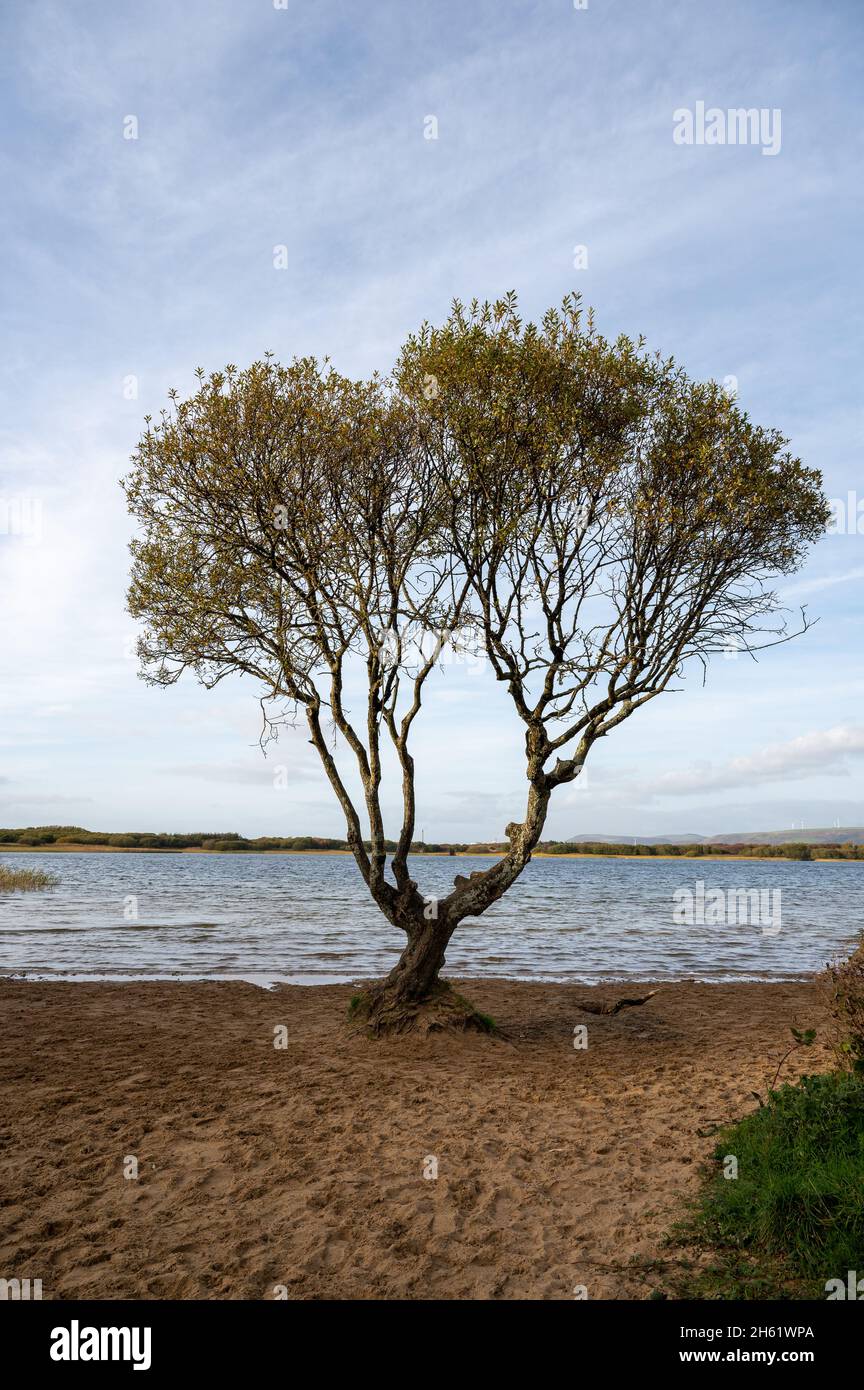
[785, 851]
[228, 841]
[35, 835]
[222, 840]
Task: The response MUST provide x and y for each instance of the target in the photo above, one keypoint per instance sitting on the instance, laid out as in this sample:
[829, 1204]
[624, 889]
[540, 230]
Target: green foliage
[485, 1022]
[746, 851]
[800, 1038]
[290, 518]
[843, 983]
[219, 842]
[793, 1218]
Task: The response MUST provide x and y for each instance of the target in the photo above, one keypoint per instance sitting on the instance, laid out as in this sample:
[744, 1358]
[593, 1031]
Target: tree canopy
[577, 510]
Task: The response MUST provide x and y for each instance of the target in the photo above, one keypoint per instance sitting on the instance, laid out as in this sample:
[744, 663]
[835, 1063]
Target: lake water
[308, 918]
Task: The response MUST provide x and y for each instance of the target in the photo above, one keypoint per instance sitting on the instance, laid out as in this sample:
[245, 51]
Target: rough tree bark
[414, 995]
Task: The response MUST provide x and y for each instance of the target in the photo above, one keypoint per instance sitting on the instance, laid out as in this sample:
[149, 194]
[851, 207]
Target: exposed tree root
[614, 1006]
[380, 1012]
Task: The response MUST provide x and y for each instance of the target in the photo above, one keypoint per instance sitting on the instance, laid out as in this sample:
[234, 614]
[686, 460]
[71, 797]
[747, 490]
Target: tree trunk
[415, 974]
[413, 996]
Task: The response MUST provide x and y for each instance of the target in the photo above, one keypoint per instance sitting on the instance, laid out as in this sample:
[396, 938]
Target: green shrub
[793, 1218]
[843, 983]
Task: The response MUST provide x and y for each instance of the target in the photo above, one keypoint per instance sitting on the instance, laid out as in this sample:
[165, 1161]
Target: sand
[264, 1171]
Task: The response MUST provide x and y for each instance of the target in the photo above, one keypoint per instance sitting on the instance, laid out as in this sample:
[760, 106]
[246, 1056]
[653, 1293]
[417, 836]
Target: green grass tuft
[487, 1020]
[794, 1216]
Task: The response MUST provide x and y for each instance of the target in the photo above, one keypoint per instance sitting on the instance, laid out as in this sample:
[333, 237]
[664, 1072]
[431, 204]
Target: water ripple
[307, 918]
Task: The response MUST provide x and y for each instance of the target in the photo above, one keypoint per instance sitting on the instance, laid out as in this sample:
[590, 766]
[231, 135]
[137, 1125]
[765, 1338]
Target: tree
[576, 510]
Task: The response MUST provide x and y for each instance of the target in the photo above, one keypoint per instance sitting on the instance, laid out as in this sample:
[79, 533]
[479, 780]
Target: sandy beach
[299, 1169]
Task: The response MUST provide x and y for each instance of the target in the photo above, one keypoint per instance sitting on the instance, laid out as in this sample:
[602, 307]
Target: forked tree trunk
[413, 995]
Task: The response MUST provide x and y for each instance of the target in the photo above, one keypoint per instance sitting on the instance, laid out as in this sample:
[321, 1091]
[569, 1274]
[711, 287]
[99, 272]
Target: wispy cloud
[829, 751]
[236, 774]
[826, 753]
[825, 581]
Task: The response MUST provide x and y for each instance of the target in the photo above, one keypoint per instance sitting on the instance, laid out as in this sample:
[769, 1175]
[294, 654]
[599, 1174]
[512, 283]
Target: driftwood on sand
[613, 1006]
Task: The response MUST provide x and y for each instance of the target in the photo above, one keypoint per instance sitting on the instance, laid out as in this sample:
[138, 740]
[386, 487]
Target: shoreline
[297, 1162]
[435, 854]
[269, 983]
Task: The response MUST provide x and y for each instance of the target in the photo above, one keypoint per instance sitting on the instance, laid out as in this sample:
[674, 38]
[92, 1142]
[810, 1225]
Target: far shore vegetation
[73, 836]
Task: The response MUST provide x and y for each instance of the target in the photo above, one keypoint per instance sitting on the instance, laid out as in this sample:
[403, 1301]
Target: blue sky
[126, 263]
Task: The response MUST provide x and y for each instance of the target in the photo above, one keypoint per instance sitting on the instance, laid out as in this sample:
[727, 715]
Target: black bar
[601, 1339]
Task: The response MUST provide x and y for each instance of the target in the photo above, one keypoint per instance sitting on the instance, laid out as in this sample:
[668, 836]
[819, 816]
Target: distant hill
[636, 839]
[843, 835]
